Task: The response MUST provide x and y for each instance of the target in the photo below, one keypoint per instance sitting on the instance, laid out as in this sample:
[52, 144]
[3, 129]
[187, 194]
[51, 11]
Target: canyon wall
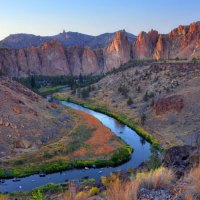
[53, 58]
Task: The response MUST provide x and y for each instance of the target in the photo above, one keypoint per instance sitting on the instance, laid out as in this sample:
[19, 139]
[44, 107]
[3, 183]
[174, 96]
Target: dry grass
[160, 178]
[3, 197]
[119, 190]
[193, 178]
[100, 141]
[189, 197]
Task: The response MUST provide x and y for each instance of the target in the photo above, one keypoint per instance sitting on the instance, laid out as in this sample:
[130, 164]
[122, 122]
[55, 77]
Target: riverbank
[47, 137]
[49, 90]
[119, 157]
[140, 131]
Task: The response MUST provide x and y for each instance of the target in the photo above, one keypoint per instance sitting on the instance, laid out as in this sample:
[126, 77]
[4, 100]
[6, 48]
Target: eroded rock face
[53, 58]
[145, 44]
[118, 52]
[173, 103]
[181, 42]
[48, 59]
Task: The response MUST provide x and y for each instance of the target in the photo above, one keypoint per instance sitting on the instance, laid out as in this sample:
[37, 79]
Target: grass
[121, 118]
[126, 190]
[159, 178]
[79, 136]
[122, 190]
[49, 90]
[193, 179]
[119, 156]
[3, 197]
[43, 191]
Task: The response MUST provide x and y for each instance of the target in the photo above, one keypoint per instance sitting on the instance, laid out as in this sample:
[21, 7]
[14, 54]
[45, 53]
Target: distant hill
[21, 40]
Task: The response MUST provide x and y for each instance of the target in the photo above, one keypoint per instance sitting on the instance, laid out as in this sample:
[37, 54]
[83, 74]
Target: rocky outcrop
[118, 52]
[172, 103]
[48, 59]
[145, 44]
[181, 159]
[183, 42]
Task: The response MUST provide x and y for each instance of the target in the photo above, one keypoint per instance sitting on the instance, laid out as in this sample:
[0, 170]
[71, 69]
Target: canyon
[54, 57]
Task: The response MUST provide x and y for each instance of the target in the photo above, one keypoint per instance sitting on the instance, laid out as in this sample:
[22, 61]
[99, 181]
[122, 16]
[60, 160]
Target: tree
[194, 60]
[85, 93]
[143, 118]
[146, 97]
[80, 78]
[177, 58]
[130, 101]
[78, 92]
[123, 90]
[138, 89]
[33, 82]
[1, 73]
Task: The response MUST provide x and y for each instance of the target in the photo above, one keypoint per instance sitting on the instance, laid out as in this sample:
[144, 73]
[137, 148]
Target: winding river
[141, 153]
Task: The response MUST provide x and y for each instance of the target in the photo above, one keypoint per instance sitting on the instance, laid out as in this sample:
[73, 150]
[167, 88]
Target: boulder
[181, 159]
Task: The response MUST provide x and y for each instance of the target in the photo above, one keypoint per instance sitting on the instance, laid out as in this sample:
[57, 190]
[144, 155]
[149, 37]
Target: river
[141, 153]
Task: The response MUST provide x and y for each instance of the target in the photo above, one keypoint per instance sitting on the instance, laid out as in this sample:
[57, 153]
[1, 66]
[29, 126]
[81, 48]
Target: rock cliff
[54, 58]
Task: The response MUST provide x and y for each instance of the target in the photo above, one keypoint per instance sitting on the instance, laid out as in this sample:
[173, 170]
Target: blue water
[141, 153]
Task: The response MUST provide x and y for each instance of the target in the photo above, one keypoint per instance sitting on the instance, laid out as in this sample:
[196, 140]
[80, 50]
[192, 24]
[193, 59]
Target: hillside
[36, 135]
[161, 97]
[17, 41]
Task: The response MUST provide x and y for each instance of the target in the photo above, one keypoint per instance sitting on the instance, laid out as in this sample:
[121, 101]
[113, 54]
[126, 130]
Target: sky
[50, 17]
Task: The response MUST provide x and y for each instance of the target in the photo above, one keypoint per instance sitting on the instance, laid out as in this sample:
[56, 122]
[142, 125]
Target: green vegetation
[118, 157]
[49, 90]
[38, 81]
[40, 192]
[120, 118]
[155, 161]
[93, 191]
[81, 134]
[37, 195]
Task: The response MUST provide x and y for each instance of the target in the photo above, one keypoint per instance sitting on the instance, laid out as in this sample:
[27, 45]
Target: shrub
[146, 97]
[37, 195]
[130, 101]
[143, 118]
[121, 155]
[123, 90]
[177, 58]
[155, 161]
[194, 60]
[93, 191]
[138, 89]
[82, 195]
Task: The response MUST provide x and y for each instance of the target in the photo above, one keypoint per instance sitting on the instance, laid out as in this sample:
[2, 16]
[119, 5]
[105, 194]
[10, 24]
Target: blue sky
[49, 17]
